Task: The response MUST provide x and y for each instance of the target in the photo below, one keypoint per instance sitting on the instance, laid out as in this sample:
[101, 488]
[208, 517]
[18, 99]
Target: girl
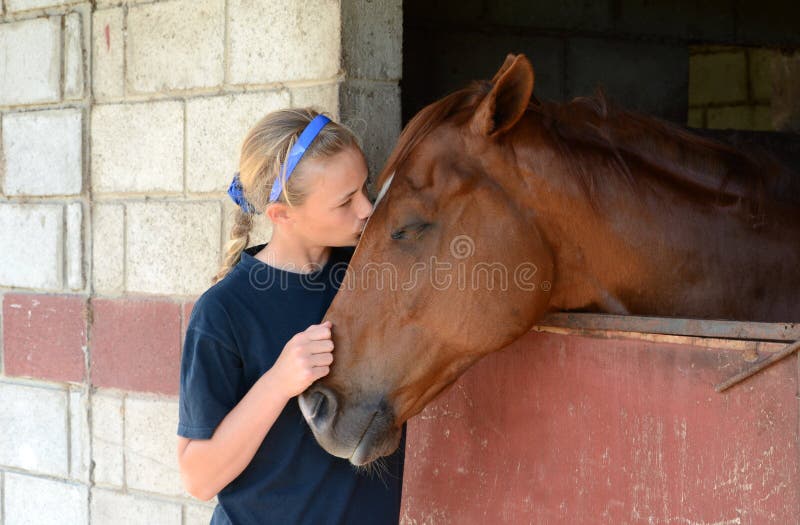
[253, 342]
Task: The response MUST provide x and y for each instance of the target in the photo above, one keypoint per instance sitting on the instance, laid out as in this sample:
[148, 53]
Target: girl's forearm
[208, 465]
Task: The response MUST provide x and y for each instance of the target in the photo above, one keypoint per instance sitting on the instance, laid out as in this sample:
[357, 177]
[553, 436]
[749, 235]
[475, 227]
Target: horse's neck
[657, 253]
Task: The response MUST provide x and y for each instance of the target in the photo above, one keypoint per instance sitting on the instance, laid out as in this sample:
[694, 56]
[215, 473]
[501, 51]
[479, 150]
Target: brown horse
[501, 208]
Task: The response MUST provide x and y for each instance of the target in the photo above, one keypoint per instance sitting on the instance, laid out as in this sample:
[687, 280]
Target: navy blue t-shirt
[237, 330]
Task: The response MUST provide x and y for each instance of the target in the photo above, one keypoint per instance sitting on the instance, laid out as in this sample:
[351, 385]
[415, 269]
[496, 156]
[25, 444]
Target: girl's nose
[365, 207]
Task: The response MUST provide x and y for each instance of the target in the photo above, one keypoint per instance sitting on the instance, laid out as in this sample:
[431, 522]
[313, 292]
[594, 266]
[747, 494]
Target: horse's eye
[416, 228]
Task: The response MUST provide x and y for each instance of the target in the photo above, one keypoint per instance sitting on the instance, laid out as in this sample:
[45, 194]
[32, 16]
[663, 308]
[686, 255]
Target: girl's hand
[305, 358]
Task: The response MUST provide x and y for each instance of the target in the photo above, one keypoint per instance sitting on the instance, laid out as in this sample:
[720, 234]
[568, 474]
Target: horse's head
[449, 268]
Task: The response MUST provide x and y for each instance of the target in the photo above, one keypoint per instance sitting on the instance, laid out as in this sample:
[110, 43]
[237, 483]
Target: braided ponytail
[240, 235]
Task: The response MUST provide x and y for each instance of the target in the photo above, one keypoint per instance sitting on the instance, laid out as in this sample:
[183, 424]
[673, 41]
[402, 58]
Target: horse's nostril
[318, 406]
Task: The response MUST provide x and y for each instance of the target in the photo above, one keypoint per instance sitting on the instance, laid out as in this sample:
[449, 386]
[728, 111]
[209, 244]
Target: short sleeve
[210, 383]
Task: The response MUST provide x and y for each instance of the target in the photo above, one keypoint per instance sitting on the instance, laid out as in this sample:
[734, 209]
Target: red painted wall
[132, 344]
[570, 429]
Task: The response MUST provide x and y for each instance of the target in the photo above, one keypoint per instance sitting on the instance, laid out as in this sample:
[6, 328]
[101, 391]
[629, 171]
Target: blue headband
[305, 139]
[296, 153]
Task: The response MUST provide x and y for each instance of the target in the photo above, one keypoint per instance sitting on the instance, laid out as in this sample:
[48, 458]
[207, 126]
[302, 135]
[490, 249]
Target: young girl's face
[337, 206]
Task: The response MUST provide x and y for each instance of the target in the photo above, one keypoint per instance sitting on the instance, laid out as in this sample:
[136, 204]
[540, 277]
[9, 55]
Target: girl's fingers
[319, 331]
[323, 346]
[323, 359]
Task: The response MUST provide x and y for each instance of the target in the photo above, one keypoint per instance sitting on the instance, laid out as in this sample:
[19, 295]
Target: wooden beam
[747, 330]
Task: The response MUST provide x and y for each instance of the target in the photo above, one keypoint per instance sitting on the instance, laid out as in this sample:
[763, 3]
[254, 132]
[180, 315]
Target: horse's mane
[591, 133]
[430, 117]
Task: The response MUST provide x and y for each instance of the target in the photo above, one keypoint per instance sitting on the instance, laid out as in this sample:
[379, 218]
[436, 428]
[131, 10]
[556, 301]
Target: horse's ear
[507, 64]
[505, 104]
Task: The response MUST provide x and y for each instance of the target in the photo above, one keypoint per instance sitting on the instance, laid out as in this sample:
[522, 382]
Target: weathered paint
[574, 429]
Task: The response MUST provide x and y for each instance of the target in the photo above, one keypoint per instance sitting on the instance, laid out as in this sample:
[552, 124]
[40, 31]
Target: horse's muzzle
[358, 431]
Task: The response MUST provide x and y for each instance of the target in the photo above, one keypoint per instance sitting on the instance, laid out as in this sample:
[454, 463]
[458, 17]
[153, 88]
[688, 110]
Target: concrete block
[760, 69]
[283, 40]
[108, 47]
[372, 110]
[322, 97]
[567, 14]
[762, 118]
[172, 248]
[125, 509]
[697, 118]
[44, 336]
[30, 500]
[214, 143]
[73, 56]
[33, 430]
[43, 152]
[175, 45]
[150, 460]
[198, 514]
[74, 246]
[641, 76]
[372, 39]
[24, 5]
[30, 59]
[717, 78]
[79, 454]
[786, 92]
[108, 248]
[107, 439]
[730, 117]
[136, 344]
[137, 147]
[31, 237]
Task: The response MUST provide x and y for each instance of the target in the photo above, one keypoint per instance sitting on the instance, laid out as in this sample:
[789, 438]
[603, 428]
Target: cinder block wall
[637, 50]
[120, 125]
[736, 87]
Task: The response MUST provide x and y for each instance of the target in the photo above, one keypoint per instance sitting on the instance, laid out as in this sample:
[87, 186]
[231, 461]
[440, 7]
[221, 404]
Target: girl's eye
[363, 190]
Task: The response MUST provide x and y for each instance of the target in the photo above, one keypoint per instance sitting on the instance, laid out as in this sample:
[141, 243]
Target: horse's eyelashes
[417, 228]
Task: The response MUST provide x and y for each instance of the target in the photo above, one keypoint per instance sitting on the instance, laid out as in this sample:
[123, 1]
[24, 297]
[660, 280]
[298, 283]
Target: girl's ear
[278, 213]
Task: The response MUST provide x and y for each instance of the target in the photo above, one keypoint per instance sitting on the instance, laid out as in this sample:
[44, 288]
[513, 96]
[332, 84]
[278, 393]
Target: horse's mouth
[361, 452]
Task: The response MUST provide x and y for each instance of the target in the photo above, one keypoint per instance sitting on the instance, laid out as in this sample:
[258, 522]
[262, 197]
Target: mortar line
[226, 51]
[124, 36]
[62, 55]
[69, 433]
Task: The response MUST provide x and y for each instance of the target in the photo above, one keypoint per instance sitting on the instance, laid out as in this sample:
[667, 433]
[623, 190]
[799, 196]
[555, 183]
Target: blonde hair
[264, 150]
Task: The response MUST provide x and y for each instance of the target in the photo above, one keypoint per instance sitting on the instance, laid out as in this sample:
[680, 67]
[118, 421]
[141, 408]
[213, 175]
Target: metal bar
[760, 365]
[748, 330]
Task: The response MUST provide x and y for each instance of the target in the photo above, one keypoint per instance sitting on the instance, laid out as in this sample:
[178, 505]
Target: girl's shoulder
[211, 311]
